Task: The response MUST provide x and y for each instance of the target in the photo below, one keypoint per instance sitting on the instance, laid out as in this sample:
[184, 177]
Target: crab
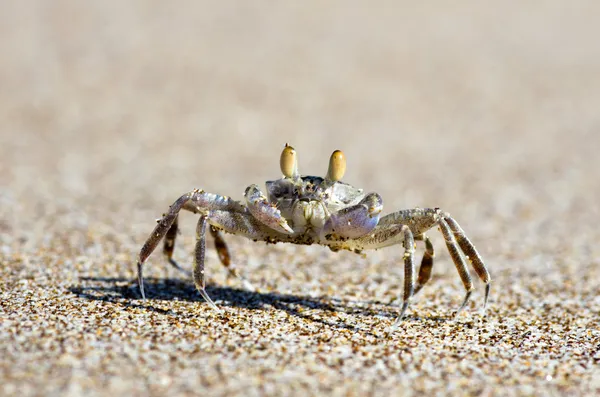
[315, 210]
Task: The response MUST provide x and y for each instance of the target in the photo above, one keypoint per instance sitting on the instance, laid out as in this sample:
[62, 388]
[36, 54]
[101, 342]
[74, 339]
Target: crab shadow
[125, 292]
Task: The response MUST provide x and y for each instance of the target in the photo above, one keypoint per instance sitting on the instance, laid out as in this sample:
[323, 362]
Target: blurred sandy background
[111, 110]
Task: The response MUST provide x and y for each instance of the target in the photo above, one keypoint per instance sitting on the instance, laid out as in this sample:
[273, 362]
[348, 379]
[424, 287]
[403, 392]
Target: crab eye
[289, 162]
[337, 166]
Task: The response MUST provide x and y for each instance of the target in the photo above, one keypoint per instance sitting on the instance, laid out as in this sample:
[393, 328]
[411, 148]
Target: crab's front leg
[163, 227]
[354, 221]
[265, 212]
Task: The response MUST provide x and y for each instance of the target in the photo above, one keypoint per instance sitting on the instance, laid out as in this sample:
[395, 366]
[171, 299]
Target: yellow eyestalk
[289, 162]
[337, 166]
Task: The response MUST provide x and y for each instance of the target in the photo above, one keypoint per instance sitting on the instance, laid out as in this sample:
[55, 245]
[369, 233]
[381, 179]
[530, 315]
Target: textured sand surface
[108, 112]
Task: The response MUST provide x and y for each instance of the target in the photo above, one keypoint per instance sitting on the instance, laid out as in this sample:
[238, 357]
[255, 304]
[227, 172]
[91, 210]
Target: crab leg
[196, 201]
[225, 257]
[419, 220]
[169, 246]
[220, 246]
[409, 270]
[426, 263]
[199, 261]
[160, 230]
[244, 224]
[469, 250]
[459, 262]
[386, 235]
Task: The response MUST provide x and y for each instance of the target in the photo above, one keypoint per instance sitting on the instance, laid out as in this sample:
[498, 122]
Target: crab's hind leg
[225, 257]
[469, 250]
[160, 230]
[409, 269]
[426, 263]
[459, 262]
[169, 246]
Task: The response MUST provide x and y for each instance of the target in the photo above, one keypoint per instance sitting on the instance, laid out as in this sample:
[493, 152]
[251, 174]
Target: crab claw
[265, 212]
[357, 220]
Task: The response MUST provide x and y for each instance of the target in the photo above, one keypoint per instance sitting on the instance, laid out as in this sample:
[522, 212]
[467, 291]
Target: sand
[109, 111]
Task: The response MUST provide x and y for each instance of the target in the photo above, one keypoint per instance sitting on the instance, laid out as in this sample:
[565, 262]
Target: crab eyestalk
[289, 162]
[337, 166]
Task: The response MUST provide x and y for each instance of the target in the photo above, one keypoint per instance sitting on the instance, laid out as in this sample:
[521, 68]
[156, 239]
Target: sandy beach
[109, 111]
